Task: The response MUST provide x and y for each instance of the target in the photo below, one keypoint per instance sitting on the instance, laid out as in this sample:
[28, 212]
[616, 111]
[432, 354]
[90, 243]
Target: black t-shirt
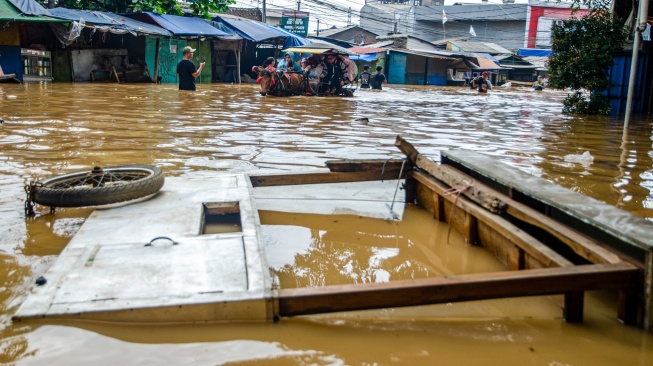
[365, 79]
[186, 69]
[377, 80]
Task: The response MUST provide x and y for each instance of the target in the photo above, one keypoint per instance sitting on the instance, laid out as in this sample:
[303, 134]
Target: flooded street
[52, 129]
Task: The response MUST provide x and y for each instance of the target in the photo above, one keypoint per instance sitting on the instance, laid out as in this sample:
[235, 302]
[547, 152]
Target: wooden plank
[497, 202]
[579, 243]
[407, 148]
[348, 165]
[317, 178]
[513, 234]
[453, 178]
[312, 300]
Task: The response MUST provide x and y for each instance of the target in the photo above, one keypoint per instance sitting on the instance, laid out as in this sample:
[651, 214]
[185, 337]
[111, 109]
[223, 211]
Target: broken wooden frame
[485, 217]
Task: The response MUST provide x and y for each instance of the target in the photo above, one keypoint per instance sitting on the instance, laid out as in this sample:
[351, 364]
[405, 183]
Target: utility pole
[318, 27]
[299, 2]
[265, 19]
[641, 26]
[349, 16]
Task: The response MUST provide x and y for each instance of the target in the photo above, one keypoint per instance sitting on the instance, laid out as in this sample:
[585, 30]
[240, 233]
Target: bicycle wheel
[101, 186]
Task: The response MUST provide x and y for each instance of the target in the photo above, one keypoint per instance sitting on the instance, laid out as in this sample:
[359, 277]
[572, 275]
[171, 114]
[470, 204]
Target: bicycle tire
[116, 184]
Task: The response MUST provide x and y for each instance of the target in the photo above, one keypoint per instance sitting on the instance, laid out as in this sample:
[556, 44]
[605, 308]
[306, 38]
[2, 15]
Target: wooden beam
[549, 281]
[498, 203]
[581, 244]
[317, 178]
[453, 178]
[513, 234]
[347, 165]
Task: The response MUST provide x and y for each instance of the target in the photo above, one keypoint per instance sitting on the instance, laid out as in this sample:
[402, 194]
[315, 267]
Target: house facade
[352, 34]
[509, 25]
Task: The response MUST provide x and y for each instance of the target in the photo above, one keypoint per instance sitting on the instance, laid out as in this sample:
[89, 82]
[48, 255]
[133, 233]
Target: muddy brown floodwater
[51, 129]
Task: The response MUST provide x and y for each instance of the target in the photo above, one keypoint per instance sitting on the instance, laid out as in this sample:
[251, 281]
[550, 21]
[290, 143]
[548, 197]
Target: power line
[330, 12]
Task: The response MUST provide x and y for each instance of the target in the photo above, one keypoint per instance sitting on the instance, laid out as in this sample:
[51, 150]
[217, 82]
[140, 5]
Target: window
[544, 26]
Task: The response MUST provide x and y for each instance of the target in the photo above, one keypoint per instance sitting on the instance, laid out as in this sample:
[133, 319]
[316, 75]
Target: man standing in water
[186, 70]
[378, 78]
[482, 83]
[365, 77]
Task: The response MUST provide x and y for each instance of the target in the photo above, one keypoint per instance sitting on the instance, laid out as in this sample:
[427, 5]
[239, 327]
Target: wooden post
[438, 207]
[517, 259]
[648, 292]
[156, 61]
[470, 228]
[410, 188]
[627, 306]
[237, 52]
[574, 302]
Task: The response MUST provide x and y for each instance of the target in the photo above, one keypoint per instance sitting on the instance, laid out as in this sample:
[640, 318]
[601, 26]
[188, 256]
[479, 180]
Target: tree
[582, 53]
[200, 7]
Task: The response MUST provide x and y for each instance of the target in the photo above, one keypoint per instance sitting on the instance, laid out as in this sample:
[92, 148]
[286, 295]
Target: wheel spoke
[93, 180]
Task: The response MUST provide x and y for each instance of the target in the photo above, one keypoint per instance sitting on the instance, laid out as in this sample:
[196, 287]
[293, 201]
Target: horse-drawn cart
[326, 71]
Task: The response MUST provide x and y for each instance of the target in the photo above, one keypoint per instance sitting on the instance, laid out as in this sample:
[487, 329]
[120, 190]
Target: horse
[281, 82]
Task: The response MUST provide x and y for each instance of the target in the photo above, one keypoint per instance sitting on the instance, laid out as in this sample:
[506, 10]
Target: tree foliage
[582, 54]
[199, 7]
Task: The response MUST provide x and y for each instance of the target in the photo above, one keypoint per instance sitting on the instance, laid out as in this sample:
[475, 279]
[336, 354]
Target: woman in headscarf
[289, 63]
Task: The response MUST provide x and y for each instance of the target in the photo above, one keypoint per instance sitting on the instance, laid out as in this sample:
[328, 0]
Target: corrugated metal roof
[380, 44]
[424, 53]
[476, 12]
[486, 64]
[486, 47]
[332, 31]
[364, 50]
[542, 63]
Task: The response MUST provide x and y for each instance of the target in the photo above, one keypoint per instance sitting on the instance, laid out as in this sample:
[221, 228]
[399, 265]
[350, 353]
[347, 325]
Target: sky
[324, 9]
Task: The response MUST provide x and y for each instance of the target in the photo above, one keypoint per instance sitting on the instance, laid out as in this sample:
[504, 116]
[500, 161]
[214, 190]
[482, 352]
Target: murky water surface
[51, 129]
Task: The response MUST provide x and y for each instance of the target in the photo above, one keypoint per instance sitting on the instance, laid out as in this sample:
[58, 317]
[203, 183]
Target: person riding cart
[331, 75]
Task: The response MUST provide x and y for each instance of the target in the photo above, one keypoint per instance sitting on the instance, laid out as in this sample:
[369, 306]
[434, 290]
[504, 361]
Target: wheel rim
[98, 178]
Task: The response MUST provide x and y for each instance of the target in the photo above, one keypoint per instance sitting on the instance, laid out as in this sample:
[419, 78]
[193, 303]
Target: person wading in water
[186, 70]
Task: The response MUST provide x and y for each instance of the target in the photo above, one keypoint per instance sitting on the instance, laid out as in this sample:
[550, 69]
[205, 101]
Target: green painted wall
[170, 54]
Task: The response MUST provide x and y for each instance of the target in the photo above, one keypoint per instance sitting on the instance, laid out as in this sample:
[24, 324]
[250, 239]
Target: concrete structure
[191, 253]
[510, 25]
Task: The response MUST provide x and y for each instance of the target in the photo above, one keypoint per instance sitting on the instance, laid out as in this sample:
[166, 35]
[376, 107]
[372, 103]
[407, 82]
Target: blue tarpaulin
[190, 26]
[368, 57]
[249, 29]
[533, 52]
[259, 32]
[29, 7]
[292, 40]
[106, 19]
